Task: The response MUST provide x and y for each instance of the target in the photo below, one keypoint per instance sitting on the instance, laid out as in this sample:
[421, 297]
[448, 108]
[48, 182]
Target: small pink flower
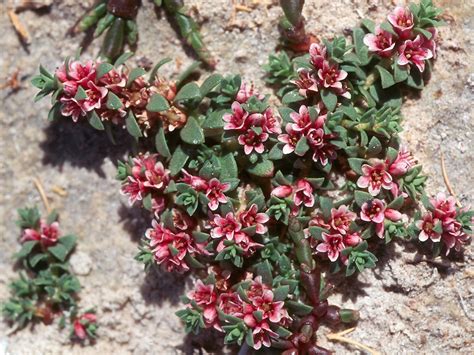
[402, 21]
[413, 52]
[71, 107]
[206, 297]
[95, 97]
[301, 119]
[331, 76]
[215, 193]
[271, 123]
[274, 311]
[282, 191]
[262, 335]
[169, 249]
[114, 80]
[196, 182]
[445, 207]
[225, 226]
[426, 226]
[381, 42]
[431, 43]
[237, 120]
[251, 217]
[306, 82]
[342, 218]
[77, 74]
[402, 163]
[80, 324]
[318, 54]
[375, 178]
[230, 303]
[304, 193]
[246, 243]
[332, 244]
[181, 220]
[290, 139]
[322, 149]
[375, 211]
[453, 235]
[246, 92]
[47, 235]
[253, 141]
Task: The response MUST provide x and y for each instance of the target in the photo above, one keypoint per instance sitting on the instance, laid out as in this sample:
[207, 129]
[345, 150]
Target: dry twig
[18, 26]
[340, 337]
[40, 189]
[446, 180]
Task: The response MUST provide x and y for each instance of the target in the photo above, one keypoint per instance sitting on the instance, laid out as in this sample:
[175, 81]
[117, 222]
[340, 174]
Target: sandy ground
[407, 306]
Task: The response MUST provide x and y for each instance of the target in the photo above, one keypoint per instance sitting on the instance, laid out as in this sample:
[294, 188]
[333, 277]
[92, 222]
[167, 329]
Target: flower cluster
[406, 46]
[444, 223]
[307, 133]
[324, 75]
[46, 288]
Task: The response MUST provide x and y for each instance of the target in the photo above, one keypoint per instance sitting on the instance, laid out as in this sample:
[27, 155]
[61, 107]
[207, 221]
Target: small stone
[81, 263]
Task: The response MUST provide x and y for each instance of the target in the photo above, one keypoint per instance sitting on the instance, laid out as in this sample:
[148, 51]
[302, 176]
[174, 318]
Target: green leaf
[397, 203]
[400, 73]
[229, 169]
[192, 132]
[26, 249]
[132, 126]
[362, 197]
[291, 97]
[37, 258]
[369, 24]
[276, 153]
[210, 83]
[59, 252]
[329, 99]
[157, 103]
[161, 144]
[356, 164]
[214, 121]
[280, 293]
[190, 91]
[386, 77]
[95, 121]
[298, 308]
[374, 147]
[80, 94]
[178, 161]
[55, 112]
[103, 69]
[326, 206]
[301, 146]
[135, 74]
[264, 269]
[147, 202]
[123, 58]
[68, 241]
[113, 101]
[157, 67]
[264, 168]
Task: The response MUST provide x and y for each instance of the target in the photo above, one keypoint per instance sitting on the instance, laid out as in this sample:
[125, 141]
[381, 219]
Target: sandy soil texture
[407, 305]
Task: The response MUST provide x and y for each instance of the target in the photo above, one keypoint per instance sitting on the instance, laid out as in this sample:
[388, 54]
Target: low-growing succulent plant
[259, 202]
[46, 288]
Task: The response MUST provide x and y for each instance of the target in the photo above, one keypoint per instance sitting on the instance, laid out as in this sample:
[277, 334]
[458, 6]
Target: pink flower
[274, 311]
[206, 297]
[225, 226]
[402, 21]
[246, 92]
[318, 55]
[341, 219]
[80, 324]
[270, 124]
[290, 139]
[332, 244]
[251, 217]
[196, 182]
[251, 140]
[95, 96]
[215, 193]
[169, 249]
[71, 107]
[230, 303]
[114, 80]
[445, 207]
[375, 211]
[262, 335]
[47, 235]
[453, 235]
[306, 82]
[181, 220]
[413, 52]
[237, 119]
[77, 74]
[402, 163]
[331, 76]
[282, 191]
[381, 42]
[375, 178]
[426, 226]
[323, 150]
[302, 120]
[304, 193]
[431, 43]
